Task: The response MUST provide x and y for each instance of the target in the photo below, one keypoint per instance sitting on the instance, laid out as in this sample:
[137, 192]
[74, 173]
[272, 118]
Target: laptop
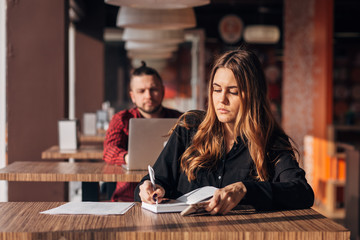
[147, 138]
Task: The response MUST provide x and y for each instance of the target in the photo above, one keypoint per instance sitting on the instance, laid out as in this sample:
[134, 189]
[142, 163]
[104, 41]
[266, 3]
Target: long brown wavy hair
[255, 123]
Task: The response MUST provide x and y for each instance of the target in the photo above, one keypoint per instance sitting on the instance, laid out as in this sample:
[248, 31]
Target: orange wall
[323, 66]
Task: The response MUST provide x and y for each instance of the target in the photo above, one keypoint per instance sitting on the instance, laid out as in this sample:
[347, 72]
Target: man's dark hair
[145, 70]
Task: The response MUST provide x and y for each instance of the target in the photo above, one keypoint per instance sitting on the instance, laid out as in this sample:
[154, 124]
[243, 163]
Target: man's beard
[151, 111]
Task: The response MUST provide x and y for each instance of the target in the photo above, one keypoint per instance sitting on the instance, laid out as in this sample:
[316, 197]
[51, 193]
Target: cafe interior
[65, 59]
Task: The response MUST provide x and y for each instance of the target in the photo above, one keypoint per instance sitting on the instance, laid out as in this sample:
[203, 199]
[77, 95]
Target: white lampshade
[262, 34]
[140, 46]
[148, 52]
[151, 35]
[156, 18]
[158, 4]
[147, 56]
[113, 34]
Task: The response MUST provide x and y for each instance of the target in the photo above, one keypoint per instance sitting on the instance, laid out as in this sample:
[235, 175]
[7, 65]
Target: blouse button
[219, 177]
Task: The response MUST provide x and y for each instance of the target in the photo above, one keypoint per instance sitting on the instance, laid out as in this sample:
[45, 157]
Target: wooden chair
[352, 192]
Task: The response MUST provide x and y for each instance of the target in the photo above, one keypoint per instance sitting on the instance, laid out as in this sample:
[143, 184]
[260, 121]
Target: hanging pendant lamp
[158, 4]
[148, 52]
[262, 34]
[146, 56]
[151, 35]
[156, 18]
[139, 46]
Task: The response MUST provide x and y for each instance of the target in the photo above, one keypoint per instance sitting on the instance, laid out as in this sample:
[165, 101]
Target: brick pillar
[307, 82]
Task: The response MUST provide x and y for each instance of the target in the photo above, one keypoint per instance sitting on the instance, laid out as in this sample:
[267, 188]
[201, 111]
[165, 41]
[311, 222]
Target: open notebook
[181, 203]
[147, 138]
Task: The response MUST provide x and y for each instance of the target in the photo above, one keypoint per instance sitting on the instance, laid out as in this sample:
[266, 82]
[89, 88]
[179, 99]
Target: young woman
[237, 146]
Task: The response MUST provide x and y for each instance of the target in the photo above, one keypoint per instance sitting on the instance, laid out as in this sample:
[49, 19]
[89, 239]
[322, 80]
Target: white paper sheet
[92, 208]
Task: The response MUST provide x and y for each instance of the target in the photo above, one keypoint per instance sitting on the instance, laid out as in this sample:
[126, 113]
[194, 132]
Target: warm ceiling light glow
[151, 46]
[156, 18]
[151, 35]
[262, 34]
[113, 34]
[158, 4]
[147, 56]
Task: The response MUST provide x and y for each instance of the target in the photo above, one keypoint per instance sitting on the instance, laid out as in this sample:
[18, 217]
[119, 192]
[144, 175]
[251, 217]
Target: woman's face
[226, 96]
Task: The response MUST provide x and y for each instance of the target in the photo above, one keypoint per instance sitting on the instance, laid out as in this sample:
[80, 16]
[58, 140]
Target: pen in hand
[152, 179]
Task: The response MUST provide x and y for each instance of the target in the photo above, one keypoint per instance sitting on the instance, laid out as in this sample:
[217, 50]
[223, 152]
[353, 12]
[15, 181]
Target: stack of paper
[93, 208]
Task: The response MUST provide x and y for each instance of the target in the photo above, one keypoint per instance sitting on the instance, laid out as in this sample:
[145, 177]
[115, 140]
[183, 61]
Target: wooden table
[67, 172]
[92, 139]
[89, 153]
[21, 220]
[85, 152]
[89, 173]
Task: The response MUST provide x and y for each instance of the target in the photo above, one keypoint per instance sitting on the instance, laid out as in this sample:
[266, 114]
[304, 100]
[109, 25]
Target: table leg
[90, 191]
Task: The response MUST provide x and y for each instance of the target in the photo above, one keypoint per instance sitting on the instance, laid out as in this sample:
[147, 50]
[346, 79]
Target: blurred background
[61, 59]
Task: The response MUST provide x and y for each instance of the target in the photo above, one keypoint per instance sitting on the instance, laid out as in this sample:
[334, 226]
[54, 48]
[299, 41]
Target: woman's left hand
[226, 198]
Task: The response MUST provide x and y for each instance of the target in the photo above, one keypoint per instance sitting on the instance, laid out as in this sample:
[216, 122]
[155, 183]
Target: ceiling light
[158, 4]
[147, 56]
[156, 18]
[151, 46]
[151, 35]
[262, 34]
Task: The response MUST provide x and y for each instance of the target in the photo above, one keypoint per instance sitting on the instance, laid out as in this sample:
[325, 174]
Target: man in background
[147, 93]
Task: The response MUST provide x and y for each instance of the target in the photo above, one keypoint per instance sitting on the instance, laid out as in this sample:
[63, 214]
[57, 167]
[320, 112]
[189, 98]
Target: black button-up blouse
[287, 187]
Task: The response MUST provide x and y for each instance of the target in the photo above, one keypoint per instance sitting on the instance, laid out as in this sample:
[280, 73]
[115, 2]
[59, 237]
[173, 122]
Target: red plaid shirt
[116, 147]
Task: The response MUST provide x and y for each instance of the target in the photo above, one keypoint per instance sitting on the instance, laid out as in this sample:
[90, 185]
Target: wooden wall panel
[89, 55]
[36, 76]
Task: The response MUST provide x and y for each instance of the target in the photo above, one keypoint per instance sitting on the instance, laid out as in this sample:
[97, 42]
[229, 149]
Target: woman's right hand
[148, 195]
